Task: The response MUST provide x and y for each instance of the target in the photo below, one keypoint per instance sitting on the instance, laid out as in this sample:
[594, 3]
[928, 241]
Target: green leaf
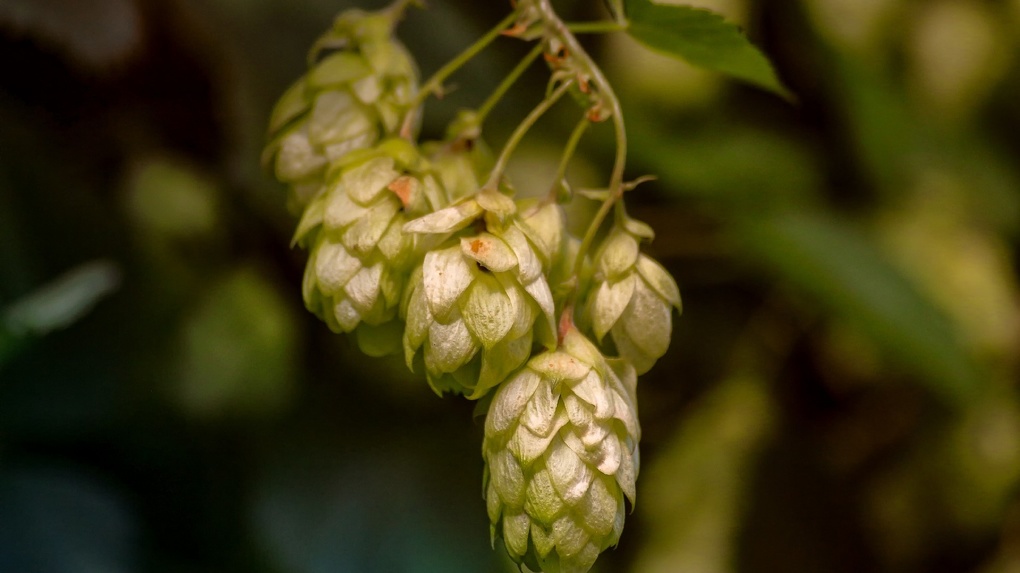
[701, 38]
[842, 270]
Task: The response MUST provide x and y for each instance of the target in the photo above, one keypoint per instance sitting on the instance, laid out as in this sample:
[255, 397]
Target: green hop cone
[462, 159]
[458, 164]
[632, 298]
[561, 453]
[351, 98]
[544, 223]
[359, 257]
[479, 301]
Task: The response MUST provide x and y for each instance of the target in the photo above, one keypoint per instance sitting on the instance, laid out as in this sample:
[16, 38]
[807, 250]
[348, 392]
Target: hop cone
[360, 258]
[561, 453]
[462, 158]
[477, 302]
[458, 164]
[348, 100]
[632, 299]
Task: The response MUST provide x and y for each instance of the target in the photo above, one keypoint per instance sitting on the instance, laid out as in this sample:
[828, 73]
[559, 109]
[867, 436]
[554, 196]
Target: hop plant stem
[508, 82]
[568, 154]
[616, 186]
[595, 27]
[521, 131]
[435, 83]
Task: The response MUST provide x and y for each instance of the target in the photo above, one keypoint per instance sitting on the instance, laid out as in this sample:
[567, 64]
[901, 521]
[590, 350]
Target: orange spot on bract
[402, 187]
[477, 246]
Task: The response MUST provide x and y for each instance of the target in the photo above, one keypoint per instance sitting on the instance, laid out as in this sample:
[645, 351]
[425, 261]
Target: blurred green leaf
[702, 38]
[744, 168]
[887, 134]
[842, 269]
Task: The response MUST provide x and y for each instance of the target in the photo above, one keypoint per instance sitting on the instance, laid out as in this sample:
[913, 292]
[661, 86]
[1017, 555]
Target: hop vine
[423, 248]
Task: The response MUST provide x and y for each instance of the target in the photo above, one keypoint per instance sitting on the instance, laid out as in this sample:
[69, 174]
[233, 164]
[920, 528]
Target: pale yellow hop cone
[632, 299]
[350, 98]
[479, 301]
[459, 164]
[561, 453]
[360, 257]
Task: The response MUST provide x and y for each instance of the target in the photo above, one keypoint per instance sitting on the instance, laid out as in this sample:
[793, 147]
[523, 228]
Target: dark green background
[840, 394]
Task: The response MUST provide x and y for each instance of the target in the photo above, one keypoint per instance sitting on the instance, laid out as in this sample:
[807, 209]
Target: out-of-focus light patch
[985, 450]
[238, 350]
[700, 481]
[894, 513]
[856, 26]
[172, 199]
[965, 269]
[957, 53]
[60, 303]
[63, 519]
[662, 81]
[95, 34]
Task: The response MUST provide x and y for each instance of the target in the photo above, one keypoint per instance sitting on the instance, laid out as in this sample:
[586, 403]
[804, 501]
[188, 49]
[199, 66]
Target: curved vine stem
[598, 79]
[505, 85]
[521, 131]
[568, 154]
[435, 83]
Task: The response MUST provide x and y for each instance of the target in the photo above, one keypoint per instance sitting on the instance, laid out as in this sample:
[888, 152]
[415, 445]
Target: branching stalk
[598, 79]
[435, 83]
[568, 154]
[508, 82]
[521, 131]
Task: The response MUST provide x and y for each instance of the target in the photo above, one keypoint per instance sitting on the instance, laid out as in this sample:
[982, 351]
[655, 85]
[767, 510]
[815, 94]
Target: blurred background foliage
[840, 394]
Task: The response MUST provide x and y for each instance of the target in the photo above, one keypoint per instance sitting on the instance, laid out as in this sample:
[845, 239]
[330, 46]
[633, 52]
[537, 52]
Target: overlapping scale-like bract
[632, 299]
[359, 257]
[479, 301]
[561, 454]
[358, 91]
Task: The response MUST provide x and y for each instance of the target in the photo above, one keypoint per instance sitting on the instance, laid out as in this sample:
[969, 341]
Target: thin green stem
[568, 154]
[594, 27]
[598, 79]
[521, 131]
[398, 7]
[504, 86]
[435, 83]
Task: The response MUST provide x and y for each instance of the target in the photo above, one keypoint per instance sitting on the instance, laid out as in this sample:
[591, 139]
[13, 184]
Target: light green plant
[422, 246]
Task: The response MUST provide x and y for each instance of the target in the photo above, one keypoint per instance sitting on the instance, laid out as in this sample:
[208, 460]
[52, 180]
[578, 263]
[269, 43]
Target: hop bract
[360, 258]
[561, 454]
[351, 98]
[479, 301]
[632, 299]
